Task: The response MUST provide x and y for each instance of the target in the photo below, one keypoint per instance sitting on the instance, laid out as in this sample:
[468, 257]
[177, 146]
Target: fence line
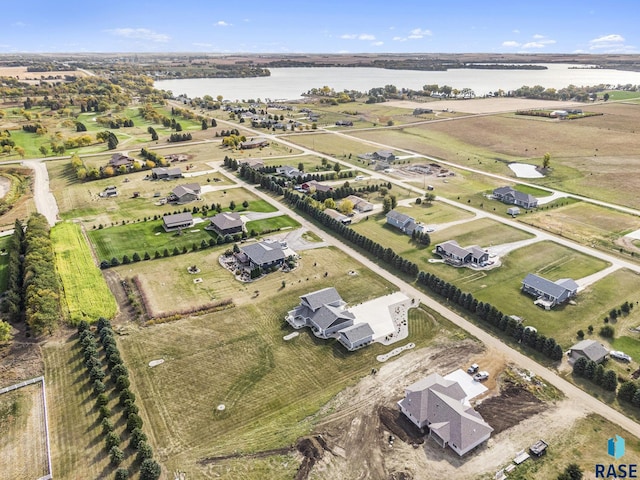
[31, 381]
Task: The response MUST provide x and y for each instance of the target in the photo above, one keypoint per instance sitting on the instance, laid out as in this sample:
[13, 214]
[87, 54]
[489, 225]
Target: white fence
[16, 386]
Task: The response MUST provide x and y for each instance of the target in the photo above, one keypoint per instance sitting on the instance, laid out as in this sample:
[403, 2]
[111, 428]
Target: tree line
[33, 292]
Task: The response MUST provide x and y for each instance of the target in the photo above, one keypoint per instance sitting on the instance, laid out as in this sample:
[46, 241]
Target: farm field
[272, 390]
[583, 160]
[585, 223]
[23, 449]
[175, 289]
[86, 294]
[338, 146]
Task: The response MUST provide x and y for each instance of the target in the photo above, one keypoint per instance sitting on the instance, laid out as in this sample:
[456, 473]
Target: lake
[291, 83]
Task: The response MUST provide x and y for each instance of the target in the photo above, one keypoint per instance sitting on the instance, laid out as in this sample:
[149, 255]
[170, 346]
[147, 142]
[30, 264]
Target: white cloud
[515, 31]
[399, 39]
[418, 33]
[533, 45]
[377, 44]
[510, 43]
[222, 23]
[607, 39]
[354, 36]
[537, 36]
[140, 34]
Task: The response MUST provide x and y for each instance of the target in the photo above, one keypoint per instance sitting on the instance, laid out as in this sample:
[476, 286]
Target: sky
[325, 26]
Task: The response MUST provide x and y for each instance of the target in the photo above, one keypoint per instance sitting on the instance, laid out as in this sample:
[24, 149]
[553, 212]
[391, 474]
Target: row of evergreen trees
[33, 292]
[119, 380]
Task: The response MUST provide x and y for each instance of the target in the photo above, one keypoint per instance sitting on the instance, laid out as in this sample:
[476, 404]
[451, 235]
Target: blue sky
[326, 26]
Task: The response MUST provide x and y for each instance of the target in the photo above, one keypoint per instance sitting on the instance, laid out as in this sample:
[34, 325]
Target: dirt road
[45, 201]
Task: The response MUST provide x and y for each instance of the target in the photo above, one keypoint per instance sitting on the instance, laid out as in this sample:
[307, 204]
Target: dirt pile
[520, 403]
[312, 449]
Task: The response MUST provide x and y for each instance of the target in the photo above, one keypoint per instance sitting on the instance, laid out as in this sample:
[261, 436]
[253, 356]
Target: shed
[513, 211]
[539, 448]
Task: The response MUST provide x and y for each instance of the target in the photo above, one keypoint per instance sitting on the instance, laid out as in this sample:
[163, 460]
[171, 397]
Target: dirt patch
[400, 426]
[520, 404]
[312, 449]
[20, 360]
[126, 313]
[485, 105]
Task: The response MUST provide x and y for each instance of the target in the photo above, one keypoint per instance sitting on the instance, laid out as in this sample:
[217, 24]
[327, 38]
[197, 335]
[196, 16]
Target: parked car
[473, 369]
[617, 354]
[480, 376]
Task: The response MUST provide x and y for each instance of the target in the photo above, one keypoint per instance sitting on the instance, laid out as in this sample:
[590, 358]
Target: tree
[627, 391]
[122, 382]
[44, 150]
[5, 331]
[607, 331]
[137, 436]
[546, 160]
[610, 381]
[330, 203]
[112, 141]
[429, 197]
[605, 97]
[112, 440]
[386, 205]
[144, 451]
[580, 334]
[134, 421]
[573, 471]
[116, 455]
[205, 125]
[150, 470]
[122, 474]
[579, 366]
[337, 167]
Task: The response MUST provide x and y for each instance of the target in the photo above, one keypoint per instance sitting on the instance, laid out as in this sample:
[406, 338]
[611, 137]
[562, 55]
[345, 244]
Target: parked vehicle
[481, 376]
[618, 355]
[473, 368]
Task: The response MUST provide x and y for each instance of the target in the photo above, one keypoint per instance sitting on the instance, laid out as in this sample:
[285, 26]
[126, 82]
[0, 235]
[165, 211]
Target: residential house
[384, 155]
[589, 349]
[344, 123]
[549, 294]
[254, 143]
[267, 254]
[162, 173]
[421, 111]
[254, 163]
[118, 160]
[177, 221]
[185, 193]
[402, 222]
[336, 215]
[288, 171]
[454, 254]
[512, 196]
[356, 336]
[360, 204]
[176, 157]
[313, 186]
[323, 311]
[226, 223]
[439, 405]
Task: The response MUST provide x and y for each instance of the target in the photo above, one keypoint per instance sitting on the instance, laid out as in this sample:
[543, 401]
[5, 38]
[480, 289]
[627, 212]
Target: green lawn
[273, 223]
[86, 293]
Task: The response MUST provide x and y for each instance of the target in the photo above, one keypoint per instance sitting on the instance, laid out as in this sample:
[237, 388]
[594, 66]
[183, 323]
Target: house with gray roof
[360, 204]
[384, 155]
[326, 314]
[288, 171]
[185, 193]
[356, 336]
[439, 405]
[226, 223]
[512, 196]
[402, 222]
[162, 173]
[549, 294]
[589, 349]
[454, 254]
[267, 254]
[177, 221]
[254, 143]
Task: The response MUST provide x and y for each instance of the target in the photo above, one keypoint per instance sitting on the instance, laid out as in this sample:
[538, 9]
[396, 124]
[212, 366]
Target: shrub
[122, 382]
[98, 387]
[104, 412]
[127, 395]
[119, 371]
[107, 425]
[137, 436]
[102, 400]
[607, 331]
[130, 407]
[122, 474]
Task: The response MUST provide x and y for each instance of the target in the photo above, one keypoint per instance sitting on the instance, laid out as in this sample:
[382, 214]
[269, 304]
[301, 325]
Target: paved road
[571, 391]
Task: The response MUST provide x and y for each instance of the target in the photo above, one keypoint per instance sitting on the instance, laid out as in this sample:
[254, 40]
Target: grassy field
[585, 223]
[175, 289]
[77, 441]
[583, 160]
[585, 444]
[501, 287]
[274, 223]
[86, 294]
[23, 440]
[271, 389]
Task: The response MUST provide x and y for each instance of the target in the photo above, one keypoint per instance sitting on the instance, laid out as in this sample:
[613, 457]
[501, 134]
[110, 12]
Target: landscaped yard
[86, 294]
